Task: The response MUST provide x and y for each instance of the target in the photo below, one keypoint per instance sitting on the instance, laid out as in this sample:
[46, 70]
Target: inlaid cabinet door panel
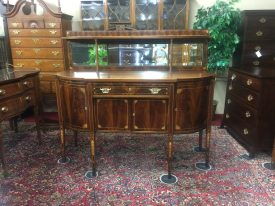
[111, 114]
[191, 107]
[150, 115]
[75, 106]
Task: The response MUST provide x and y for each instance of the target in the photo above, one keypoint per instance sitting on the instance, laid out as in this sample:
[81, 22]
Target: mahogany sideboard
[135, 101]
[19, 90]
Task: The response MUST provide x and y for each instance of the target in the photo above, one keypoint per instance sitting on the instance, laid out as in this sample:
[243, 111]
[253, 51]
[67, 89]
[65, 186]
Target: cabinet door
[191, 106]
[150, 115]
[74, 106]
[111, 114]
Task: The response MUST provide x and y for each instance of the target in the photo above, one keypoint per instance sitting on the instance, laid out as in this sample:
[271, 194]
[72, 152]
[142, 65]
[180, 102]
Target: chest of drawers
[35, 41]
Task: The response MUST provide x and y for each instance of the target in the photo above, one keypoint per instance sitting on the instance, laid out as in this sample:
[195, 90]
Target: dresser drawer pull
[36, 50]
[35, 40]
[250, 97]
[18, 52]
[258, 48]
[245, 131]
[27, 84]
[53, 32]
[56, 65]
[230, 87]
[16, 32]
[105, 90]
[262, 20]
[15, 25]
[256, 63]
[4, 109]
[54, 42]
[17, 42]
[2, 92]
[229, 101]
[273, 58]
[28, 98]
[19, 65]
[233, 76]
[259, 33]
[34, 31]
[155, 90]
[55, 53]
[227, 116]
[247, 114]
[52, 25]
[249, 82]
[38, 62]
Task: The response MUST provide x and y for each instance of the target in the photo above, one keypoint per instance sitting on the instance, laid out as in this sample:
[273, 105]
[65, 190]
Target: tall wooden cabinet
[35, 37]
[249, 107]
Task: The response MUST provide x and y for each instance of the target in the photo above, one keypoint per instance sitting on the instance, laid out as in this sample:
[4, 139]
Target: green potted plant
[222, 20]
[102, 55]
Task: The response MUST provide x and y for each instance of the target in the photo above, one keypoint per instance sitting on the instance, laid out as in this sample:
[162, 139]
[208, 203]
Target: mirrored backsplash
[182, 54]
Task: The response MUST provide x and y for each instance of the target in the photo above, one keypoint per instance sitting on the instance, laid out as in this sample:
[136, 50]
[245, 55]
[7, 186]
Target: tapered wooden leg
[15, 124]
[200, 148]
[93, 173]
[75, 138]
[11, 122]
[2, 152]
[63, 159]
[271, 165]
[37, 122]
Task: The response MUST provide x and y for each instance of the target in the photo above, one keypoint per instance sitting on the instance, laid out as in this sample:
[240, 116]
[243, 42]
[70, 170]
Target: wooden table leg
[271, 165]
[37, 122]
[64, 159]
[200, 148]
[75, 138]
[2, 152]
[93, 173]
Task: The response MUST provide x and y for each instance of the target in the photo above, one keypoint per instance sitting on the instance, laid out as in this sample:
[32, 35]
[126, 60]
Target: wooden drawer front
[42, 53]
[15, 24]
[265, 48]
[260, 21]
[265, 61]
[42, 64]
[28, 99]
[10, 90]
[260, 34]
[52, 25]
[246, 95]
[133, 90]
[9, 108]
[235, 108]
[34, 33]
[33, 23]
[35, 42]
[247, 81]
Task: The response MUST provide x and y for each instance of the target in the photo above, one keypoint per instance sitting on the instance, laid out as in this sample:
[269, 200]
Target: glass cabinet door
[146, 14]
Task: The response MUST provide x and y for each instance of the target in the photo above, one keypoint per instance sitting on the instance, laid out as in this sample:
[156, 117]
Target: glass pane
[187, 55]
[146, 14]
[174, 13]
[93, 15]
[137, 55]
[118, 11]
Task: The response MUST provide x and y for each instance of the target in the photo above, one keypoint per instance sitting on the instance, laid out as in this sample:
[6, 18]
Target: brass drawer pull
[256, 63]
[28, 98]
[155, 90]
[54, 42]
[53, 32]
[273, 58]
[250, 97]
[18, 52]
[52, 25]
[56, 65]
[233, 76]
[38, 62]
[262, 20]
[17, 42]
[258, 48]
[259, 33]
[4, 109]
[55, 53]
[16, 32]
[35, 41]
[2, 92]
[230, 87]
[19, 65]
[34, 31]
[105, 90]
[227, 116]
[229, 101]
[247, 114]
[27, 83]
[36, 50]
[245, 131]
[249, 82]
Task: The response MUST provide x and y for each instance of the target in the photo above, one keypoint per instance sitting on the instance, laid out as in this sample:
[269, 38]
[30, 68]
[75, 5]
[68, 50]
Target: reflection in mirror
[124, 55]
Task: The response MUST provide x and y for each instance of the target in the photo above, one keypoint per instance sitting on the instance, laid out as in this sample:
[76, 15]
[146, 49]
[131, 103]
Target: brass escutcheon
[17, 42]
[52, 25]
[245, 131]
[259, 33]
[262, 20]
[2, 92]
[105, 90]
[249, 82]
[53, 32]
[4, 109]
[247, 114]
[155, 90]
[18, 52]
[16, 32]
[250, 97]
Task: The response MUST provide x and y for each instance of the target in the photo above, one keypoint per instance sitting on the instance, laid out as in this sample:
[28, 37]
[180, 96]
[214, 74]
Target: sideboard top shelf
[139, 34]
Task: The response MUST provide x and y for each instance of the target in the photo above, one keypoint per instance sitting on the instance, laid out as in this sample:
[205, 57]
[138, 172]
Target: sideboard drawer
[35, 33]
[27, 83]
[9, 90]
[9, 108]
[28, 99]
